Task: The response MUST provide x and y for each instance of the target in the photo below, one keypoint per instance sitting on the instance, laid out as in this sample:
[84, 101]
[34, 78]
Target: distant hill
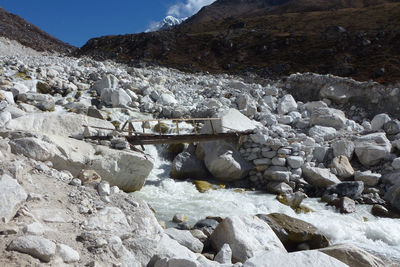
[273, 38]
[16, 28]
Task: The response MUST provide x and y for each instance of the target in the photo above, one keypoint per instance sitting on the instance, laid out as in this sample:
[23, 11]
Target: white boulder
[12, 195]
[329, 117]
[319, 177]
[287, 104]
[246, 235]
[372, 148]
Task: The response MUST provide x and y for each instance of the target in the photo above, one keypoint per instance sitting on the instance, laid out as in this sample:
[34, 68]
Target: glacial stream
[168, 197]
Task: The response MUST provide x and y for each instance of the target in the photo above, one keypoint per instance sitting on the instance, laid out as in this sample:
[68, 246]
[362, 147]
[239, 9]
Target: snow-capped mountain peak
[167, 23]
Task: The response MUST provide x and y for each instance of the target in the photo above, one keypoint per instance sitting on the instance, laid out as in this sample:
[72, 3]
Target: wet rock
[319, 177]
[186, 165]
[393, 196]
[342, 167]
[246, 235]
[309, 258]
[185, 238]
[347, 205]
[224, 162]
[292, 199]
[353, 256]
[328, 117]
[279, 188]
[292, 231]
[371, 149]
[380, 211]
[210, 224]
[367, 177]
[352, 190]
[38, 247]
[12, 195]
[179, 218]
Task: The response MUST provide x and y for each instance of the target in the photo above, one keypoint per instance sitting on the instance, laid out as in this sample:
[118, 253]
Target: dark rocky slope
[359, 39]
[16, 28]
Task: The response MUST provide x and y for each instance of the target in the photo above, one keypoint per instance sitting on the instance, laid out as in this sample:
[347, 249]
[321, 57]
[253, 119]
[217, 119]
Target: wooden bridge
[142, 138]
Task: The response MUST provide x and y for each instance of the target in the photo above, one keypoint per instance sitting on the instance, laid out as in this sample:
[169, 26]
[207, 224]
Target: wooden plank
[177, 139]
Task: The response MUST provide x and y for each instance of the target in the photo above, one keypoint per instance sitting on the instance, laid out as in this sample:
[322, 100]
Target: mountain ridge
[358, 39]
[14, 27]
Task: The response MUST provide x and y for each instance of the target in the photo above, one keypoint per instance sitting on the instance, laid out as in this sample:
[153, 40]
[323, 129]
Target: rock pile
[62, 192]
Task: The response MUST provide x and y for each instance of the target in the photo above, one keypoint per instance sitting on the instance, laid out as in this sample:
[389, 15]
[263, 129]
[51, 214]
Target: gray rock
[224, 256]
[319, 177]
[396, 163]
[12, 195]
[309, 258]
[277, 176]
[295, 162]
[378, 121]
[246, 235]
[353, 256]
[38, 247]
[103, 189]
[33, 148]
[5, 117]
[347, 205]
[110, 219]
[328, 117]
[371, 149]
[278, 161]
[326, 133]
[320, 153]
[108, 81]
[392, 127]
[185, 238]
[279, 188]
[367, 177]
[343, 147]
[350, 189]
[393, 195]
[342, 167]
[35, 228]
[224, 162]
[41, 101]
[187, 165]
[287, 104]
[67, 254]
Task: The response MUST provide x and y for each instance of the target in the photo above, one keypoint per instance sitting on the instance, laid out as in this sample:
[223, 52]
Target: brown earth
[16, 28]
[273, 38]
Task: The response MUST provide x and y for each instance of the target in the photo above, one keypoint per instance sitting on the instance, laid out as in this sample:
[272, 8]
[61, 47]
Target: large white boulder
[319, 177]
[12, 195]
[372, 148]
[246, 235]
[124, 168]
[108, 81]
[329, 117]
[287, 104]
[223, 161]
[70, 124]
[307, 258]
[230, 120]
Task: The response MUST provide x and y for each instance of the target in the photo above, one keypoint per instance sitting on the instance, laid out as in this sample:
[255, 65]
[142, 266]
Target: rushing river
[168, 197]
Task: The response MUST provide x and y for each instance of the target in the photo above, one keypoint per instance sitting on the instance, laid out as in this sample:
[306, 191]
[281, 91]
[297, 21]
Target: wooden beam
[177, 139]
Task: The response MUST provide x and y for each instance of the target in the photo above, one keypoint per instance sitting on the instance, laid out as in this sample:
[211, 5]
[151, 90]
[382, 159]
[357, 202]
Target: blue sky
[76, 21]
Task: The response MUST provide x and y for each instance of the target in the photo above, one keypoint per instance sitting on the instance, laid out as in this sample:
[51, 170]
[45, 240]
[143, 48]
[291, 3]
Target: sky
[76, 21]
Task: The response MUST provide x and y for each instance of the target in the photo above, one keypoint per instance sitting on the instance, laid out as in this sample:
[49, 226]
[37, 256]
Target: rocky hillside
[358, 39]
[16, 28]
